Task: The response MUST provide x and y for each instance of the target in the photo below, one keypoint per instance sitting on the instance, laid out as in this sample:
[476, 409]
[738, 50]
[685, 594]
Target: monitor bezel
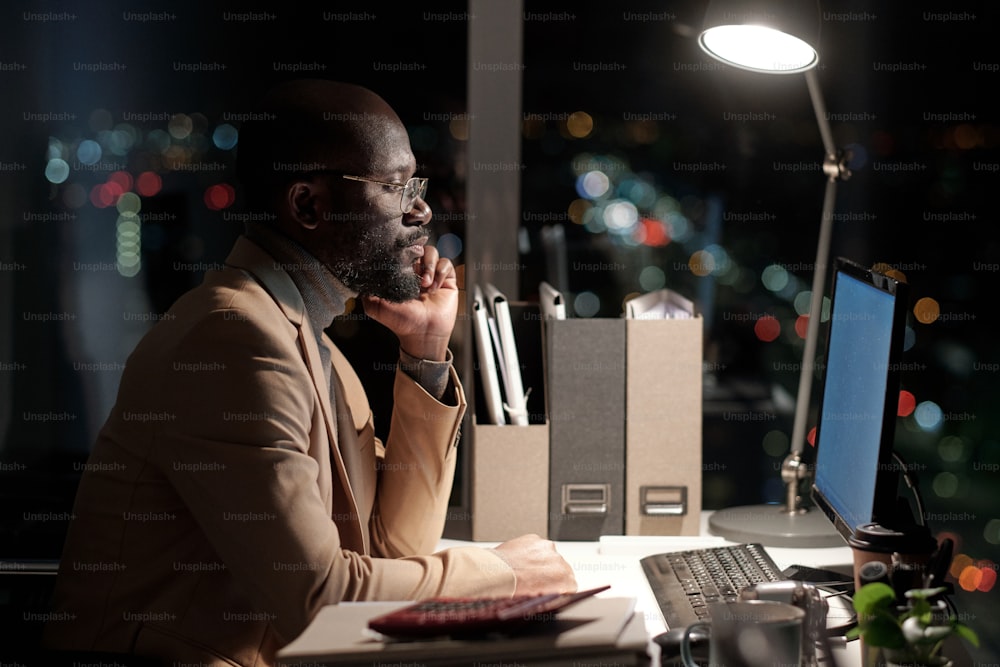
[884, 502]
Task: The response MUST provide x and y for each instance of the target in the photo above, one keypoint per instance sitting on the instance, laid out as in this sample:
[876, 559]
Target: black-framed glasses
[413, 188]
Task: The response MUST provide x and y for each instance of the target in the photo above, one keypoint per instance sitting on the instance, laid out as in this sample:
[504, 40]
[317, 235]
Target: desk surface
[614, 560]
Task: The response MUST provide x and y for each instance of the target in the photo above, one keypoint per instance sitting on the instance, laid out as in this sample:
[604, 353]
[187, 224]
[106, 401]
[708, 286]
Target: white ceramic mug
[750, 633]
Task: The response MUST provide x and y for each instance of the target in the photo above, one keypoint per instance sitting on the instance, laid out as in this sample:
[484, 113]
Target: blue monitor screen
[854, 398]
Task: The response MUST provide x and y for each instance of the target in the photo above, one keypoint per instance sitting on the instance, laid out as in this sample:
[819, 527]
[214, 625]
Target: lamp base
[772, 526]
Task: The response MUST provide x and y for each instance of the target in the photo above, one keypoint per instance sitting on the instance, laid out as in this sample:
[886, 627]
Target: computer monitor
[856, 479]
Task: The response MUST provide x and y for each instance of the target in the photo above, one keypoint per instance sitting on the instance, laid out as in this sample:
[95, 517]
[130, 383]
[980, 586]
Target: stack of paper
[662, 304]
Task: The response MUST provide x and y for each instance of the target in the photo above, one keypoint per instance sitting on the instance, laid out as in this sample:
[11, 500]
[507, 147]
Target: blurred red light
[219, 196]
[801, 324]
[989, 578]
[655, 233]
[148, 184]
[122, 179]
[767, 328]
[907, 403]
[105, 194]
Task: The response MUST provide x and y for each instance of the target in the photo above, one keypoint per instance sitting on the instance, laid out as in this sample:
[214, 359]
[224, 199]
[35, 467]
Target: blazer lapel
[249, 257]
[354, 460]
[353, 535]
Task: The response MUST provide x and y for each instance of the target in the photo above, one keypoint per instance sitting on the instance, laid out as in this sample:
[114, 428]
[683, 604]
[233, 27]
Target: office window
[118, 192]
[662, 168]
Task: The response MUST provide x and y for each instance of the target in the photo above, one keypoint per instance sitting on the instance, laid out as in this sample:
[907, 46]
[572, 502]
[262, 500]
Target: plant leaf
[921, 608]
[924, 593]
[967, 633]
[884, 632]
[872, 597]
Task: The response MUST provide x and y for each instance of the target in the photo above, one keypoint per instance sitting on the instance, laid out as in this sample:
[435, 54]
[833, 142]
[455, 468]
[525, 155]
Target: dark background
[908, 88]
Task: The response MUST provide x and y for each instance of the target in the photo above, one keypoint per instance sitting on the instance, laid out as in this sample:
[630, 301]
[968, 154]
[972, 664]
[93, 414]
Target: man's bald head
[313, 124]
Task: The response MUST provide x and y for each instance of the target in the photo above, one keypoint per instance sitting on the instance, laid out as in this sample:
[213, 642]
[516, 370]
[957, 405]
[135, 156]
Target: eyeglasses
[413, 188]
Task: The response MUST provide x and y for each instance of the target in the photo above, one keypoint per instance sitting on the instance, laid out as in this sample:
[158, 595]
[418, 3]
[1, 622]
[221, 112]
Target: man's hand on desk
[537, 566]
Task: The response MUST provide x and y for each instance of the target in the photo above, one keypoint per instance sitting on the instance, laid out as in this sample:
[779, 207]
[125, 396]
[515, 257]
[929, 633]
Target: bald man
[237, 485]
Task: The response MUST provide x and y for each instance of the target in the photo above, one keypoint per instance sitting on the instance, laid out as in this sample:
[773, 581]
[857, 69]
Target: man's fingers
[445, 273]
[435, 271]
[428, 266]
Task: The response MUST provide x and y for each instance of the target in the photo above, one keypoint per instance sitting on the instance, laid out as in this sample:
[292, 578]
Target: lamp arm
[792, 470]
[835, 168]
[816, 95]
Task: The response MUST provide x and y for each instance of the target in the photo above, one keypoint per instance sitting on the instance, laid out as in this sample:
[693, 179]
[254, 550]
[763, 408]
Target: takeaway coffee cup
[897, 557]
[754, 633]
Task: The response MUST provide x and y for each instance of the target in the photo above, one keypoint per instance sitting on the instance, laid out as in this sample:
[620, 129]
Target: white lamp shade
[758, 48]
[771, 36]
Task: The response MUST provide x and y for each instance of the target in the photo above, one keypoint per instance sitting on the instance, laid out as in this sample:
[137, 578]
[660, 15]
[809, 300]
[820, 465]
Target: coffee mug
[753, 633]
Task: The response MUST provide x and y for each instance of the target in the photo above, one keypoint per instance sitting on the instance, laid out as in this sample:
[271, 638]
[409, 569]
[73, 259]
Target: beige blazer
[226, 500]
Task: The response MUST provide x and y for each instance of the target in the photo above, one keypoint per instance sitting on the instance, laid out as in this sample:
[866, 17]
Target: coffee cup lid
[876, 537]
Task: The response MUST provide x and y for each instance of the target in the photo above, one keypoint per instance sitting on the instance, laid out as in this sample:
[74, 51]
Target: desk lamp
[780, 37]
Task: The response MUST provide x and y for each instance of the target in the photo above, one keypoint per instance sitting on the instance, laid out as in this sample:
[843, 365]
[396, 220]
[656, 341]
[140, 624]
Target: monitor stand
[775, 526]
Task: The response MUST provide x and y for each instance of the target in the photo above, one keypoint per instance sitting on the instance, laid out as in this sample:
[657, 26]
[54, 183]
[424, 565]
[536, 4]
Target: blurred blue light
[593, 184]
[225, 137]
[721, 257]
[859, 156]
[56, 170]
[88, 152]
[449, 246]
[639, 192]
[774, 277]
[678, 226]
[620, 216]
[928, 416]
[55, 148]
[593, 220]
[586, 304]
[652, 278]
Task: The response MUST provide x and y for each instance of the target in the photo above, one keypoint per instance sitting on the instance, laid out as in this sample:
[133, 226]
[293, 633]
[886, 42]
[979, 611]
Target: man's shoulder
[229, 302]
[224, 288]
[227, 312]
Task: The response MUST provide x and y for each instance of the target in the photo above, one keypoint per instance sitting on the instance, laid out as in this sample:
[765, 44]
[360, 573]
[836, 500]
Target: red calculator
[446, 616]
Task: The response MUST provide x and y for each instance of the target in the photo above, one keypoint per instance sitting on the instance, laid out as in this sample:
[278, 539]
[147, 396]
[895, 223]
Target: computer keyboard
[684, 583]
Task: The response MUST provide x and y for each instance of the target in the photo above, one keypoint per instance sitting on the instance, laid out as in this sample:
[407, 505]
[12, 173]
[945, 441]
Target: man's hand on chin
[423, 325]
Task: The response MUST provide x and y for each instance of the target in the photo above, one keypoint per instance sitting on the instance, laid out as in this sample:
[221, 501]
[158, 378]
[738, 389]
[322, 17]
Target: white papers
[487, 360]
[510, 366]
[500, 366]
[662, 304]
[551, 302]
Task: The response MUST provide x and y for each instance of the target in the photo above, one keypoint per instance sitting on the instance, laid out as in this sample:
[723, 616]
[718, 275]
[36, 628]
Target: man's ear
[301, 199]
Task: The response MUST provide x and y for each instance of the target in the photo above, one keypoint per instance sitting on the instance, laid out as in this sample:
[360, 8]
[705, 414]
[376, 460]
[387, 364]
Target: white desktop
[338, 634]
[615, 559]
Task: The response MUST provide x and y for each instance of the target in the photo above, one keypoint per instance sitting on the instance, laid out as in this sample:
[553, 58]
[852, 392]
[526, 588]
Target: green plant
[913, 633]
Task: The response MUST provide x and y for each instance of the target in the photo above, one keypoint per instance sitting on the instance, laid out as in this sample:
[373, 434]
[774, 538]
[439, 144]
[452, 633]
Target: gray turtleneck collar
[324, 296]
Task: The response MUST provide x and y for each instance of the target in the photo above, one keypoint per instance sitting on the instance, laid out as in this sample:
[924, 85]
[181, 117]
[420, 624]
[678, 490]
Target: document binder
[585, 366]
[620, 452]
[663, 426]
[510, 463]
[510, 481]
